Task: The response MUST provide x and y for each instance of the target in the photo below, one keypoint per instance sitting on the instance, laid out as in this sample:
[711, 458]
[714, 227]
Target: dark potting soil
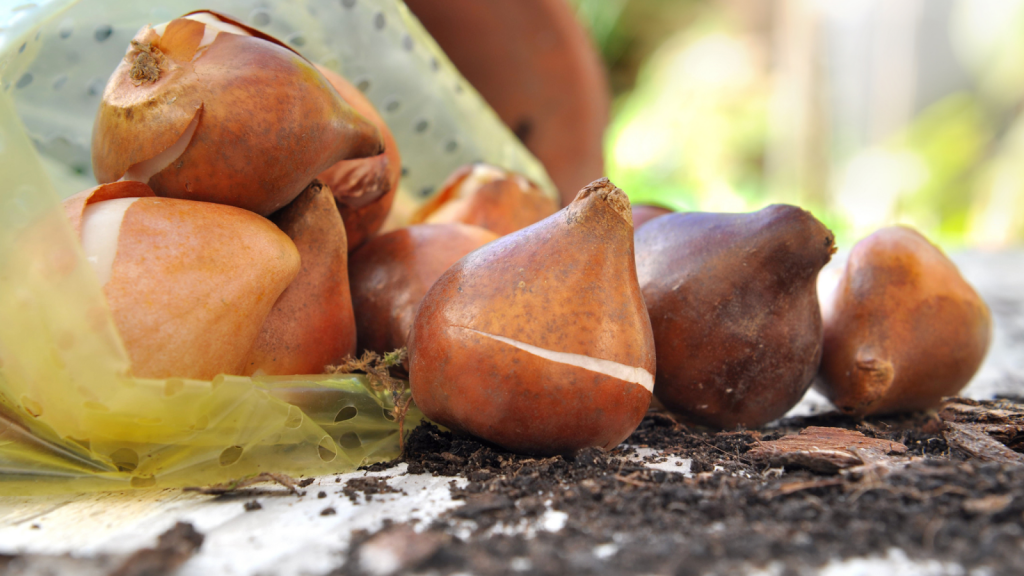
[960, 500]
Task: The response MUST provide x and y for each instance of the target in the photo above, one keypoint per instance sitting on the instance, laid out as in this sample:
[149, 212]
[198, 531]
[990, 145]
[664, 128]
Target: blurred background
[866, 112]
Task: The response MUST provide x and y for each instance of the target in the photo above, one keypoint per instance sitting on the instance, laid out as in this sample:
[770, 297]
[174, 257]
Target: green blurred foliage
[692, 134]
[691, 127]
[628, 31]
[951, 138]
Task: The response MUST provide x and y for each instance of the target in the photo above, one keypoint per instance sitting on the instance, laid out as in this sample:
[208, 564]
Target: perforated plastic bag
[71, 418]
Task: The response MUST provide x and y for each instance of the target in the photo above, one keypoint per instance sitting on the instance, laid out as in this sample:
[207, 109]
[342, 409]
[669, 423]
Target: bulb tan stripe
[632, 374]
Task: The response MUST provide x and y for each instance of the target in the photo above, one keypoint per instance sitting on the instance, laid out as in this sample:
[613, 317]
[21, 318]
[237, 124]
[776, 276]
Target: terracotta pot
[536, 66]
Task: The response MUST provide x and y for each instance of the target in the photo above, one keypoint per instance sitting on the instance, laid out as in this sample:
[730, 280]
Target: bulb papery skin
[215, 26]
[101, 228]
[391, 274]
[312, 324]
[145, 170]
[266, 122]
[76, 205]
[526, 341]
[364, 188]
[489, 197]
[478, 175]
[644, 213]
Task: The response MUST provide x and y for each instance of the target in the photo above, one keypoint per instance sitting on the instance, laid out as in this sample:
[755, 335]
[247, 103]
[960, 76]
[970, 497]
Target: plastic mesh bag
[70, 415]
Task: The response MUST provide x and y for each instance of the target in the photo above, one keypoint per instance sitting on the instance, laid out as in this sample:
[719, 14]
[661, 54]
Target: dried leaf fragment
[235, 485]
[378, 375]
[973, 440]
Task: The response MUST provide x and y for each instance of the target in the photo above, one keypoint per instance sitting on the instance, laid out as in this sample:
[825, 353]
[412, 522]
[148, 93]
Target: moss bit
[378, 375]
[146, 67]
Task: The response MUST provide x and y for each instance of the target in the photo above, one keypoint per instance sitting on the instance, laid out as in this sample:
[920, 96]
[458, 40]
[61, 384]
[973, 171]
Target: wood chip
[972, 440]
[981, 411]
[1000, 419]
[824, 450]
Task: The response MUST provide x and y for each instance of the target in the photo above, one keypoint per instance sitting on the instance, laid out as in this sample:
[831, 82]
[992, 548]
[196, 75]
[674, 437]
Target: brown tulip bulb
[540, 341]
[312, 324]
[902, 328]
[489, 197]
[392, 272]
[643, 213]
[204, 108]
[734, 309]
[364, 188]
[189, 283]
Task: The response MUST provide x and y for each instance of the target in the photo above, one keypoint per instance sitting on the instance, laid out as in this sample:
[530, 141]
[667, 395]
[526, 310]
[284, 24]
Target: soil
[938, 499]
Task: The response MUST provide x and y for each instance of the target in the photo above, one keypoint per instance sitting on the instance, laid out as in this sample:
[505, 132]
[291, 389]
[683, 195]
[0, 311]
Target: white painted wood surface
[288, 535]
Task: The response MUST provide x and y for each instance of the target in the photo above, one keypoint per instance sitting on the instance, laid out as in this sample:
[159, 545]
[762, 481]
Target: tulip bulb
[204, 108]
[902, 327]
[540, 341]
[189, 283]
[311, 325]
[734, 308]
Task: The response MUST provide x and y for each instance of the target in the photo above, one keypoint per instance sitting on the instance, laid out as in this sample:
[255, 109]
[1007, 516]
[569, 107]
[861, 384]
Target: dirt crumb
[367, 486]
